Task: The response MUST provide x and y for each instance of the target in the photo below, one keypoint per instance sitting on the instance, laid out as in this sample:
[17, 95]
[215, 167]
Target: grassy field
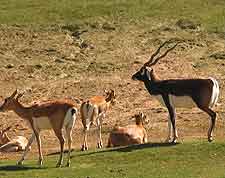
[195, 159]
[209, 13]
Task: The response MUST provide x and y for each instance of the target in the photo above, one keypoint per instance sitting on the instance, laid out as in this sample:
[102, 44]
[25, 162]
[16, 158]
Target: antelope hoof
[210, 139]
[19, 163]
[99, 145]
[84, 148]
[59, 165]
[68, 164]
[40, 162]
[174, 141]
[168, 140]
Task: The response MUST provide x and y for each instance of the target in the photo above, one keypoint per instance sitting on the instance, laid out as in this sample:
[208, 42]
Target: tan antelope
[15, 144]
[56, 115]
[130, 134]
[186, 93]
[94, 110]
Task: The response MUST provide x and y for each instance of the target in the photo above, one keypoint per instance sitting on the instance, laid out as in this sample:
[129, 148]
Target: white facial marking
[142, 72]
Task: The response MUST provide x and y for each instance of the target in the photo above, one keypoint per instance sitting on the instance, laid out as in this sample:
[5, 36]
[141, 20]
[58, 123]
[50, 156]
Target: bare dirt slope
[55, 63]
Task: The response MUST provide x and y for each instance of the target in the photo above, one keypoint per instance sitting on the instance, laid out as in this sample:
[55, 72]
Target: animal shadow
[17, 168]
[130, 148]
[58, 152]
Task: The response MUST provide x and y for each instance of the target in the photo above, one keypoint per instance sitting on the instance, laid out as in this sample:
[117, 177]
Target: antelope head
[141, 118]
[110, 96]
[146, 72]
[10, 101]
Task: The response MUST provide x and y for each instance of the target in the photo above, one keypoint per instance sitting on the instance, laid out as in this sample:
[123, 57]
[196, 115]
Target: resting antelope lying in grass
[94, 110]
[131, 134]
[54, 115]
[187, 93]
[15, 144]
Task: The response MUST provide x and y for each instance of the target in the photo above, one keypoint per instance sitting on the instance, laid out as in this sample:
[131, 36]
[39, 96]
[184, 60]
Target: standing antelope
[187, 93]
[54, 115]
[7, 144]
[131, 134]
[94, 110]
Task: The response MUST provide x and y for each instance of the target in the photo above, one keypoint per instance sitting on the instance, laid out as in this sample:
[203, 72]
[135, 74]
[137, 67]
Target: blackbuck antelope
[8, 144]
[186, 93]
[94, 111]
[130, 134]
[54, 115]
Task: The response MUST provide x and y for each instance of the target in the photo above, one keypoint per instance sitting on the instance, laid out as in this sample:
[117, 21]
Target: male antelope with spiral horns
[185, 93]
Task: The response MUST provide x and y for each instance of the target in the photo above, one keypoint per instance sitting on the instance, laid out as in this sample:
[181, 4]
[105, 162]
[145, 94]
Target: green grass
[196, 159]
[210, 13]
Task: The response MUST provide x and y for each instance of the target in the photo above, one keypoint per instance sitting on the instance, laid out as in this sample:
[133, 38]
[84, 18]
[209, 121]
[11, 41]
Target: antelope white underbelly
[178, 101]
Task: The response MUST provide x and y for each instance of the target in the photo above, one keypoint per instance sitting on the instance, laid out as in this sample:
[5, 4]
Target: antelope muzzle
[137, 76]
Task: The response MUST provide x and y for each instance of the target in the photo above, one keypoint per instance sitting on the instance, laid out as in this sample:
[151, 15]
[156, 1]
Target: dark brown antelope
[94, 110]
[130, 134]
[186, 93]
[54, 115]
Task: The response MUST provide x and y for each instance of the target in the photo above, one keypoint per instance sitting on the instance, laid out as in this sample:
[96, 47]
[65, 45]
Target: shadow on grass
[56, 153]
[18, 168]
[128, 148]
[118, 149]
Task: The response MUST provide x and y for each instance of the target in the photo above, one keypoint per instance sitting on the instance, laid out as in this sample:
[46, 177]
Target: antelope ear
[136, 115]
[113, 92]
[148, 68]
[14, 94]
[133, 117]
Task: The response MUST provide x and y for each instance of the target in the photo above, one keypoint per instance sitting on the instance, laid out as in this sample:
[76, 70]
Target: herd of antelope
[61, 114]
